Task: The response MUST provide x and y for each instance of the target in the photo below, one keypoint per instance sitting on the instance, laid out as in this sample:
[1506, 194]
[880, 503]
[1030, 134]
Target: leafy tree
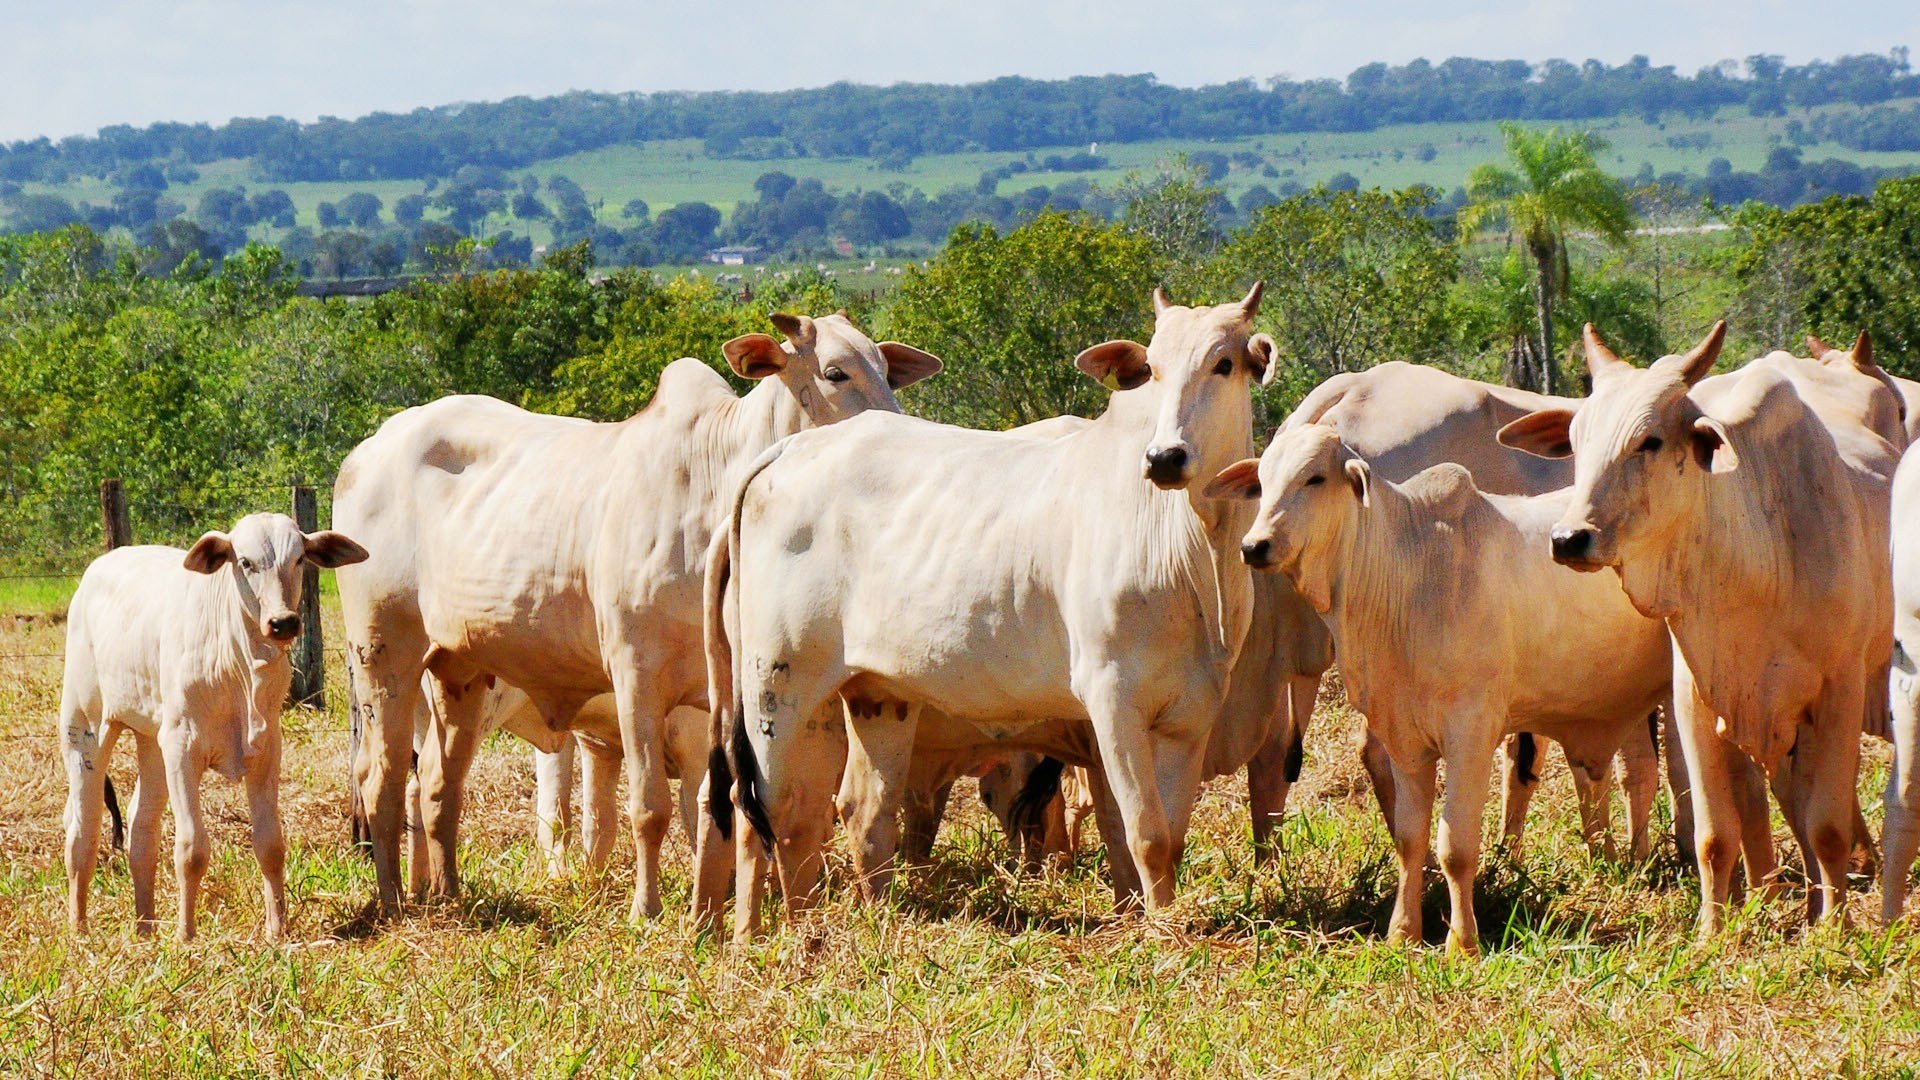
[361, 209]
[1353, 278]
[1837, 267]
[637, 210]
[1172, 207]
[1550, 185]
[409, 209]
[685, 230]
[1008, 313]
[329, 216]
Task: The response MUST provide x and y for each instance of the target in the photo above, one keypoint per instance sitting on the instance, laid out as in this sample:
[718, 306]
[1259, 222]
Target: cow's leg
[713, 854]
[1469, 757]
[749, 878]
[269, 836]
[426, 761]
[1412, 829]
[1076, 798]
[600, 766]
[1715, 769]
[1593, 794]
[455, 734]
[1518, 781]
[1123, 734]
[1900, 840]
[143, 835]
[192, 847]
[553, 805]
[642, 718]
[1179, 759]
[86, 750]
[1679, 787]
[924, 809]
[1379, 766]
[1826, 766]
[1639, 783]
[880, 756]
[1756, 825]
[389, 695]
[1113, 833]
[1270, 776]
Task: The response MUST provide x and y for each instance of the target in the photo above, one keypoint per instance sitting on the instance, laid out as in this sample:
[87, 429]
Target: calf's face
[1204, 360]
[832, 369]
[265, 554]
[1634, 444]
[1309, 487]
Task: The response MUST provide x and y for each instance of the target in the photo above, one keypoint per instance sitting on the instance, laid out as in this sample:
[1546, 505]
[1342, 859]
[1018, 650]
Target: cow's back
[1404, 417]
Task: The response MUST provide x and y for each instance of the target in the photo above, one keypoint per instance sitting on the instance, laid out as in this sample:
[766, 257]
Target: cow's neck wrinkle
[218, 618]
[1369, 586]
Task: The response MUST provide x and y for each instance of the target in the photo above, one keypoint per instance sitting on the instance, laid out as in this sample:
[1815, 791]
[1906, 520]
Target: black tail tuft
[1030, 805]
[119, 823]
[720, 791]
[746, 770]
[1526, 757]
[1296, 756]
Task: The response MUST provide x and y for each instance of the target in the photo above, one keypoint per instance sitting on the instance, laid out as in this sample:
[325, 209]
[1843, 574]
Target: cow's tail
[731, 765]
[1030, 805]
[119, 822]
[1526, 758]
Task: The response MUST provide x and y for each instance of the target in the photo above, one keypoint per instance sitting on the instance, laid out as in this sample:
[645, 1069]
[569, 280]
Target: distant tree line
[893, 124]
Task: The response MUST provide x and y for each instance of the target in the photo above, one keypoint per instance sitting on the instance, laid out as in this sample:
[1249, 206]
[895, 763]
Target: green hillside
[668, 172]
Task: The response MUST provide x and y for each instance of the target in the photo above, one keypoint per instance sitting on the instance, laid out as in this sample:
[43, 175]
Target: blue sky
[71, 66]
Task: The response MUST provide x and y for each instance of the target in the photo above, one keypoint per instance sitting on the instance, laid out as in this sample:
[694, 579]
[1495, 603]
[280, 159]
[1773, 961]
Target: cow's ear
[330, 549]
[1711, 449]
[209, 553]
[907, 365]
[1240, 480]
[755, 356]
[1547, 433]
[1118, 365]
[1260, 350]
[1360, 479]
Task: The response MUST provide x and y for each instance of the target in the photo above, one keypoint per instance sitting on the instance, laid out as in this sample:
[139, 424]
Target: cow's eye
[1651, 444]
[834, 374]
[1224, 367]
[1312, 480]
[246, 565]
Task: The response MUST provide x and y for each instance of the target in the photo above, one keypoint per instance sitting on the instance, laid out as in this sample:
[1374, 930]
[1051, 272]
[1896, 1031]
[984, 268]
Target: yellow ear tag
[1111, 381]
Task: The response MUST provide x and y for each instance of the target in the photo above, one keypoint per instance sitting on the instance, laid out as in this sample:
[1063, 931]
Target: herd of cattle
[812, 609]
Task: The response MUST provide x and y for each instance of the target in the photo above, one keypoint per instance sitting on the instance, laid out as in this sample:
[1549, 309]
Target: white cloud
[71, 68]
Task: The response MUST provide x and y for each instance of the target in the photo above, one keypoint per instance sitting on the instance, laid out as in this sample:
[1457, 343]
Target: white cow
[1454, 628]
[1902, 835]
[187, 650]
[1015, 583]
[1753, 520]
[565, 558]
[1403, 418]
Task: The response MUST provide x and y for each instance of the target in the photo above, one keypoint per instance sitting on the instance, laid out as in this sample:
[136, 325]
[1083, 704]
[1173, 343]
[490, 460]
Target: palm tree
[1550, 185]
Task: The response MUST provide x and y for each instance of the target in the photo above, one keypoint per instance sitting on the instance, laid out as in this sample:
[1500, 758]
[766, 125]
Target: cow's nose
[1166, 464]
[1571, 545]
[284, 627]
[1257, 552]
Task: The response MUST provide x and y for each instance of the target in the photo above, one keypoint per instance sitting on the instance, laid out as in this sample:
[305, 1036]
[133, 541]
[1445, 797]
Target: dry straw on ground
[1590, 968]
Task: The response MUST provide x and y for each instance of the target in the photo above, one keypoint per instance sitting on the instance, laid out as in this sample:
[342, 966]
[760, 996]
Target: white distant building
[734, 255]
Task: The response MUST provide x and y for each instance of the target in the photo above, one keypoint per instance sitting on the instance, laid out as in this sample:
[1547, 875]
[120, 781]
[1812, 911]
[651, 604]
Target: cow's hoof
[1463, 947]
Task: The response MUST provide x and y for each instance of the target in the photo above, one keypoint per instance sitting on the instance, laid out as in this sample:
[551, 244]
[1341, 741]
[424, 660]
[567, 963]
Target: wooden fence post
[309, 656]
[116, 530]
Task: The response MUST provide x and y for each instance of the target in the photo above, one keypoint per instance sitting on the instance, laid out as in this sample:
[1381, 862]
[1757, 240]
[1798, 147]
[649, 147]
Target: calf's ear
[1260, 349]
[330, 549]
[1547, 433]
[755, 356]
[907, 365]
[1360, 479]
[209, 553]
[1240, 480]
[1118, 365]
[1711, 449]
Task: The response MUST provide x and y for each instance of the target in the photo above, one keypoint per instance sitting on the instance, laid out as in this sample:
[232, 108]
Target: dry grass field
[1590, 969]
